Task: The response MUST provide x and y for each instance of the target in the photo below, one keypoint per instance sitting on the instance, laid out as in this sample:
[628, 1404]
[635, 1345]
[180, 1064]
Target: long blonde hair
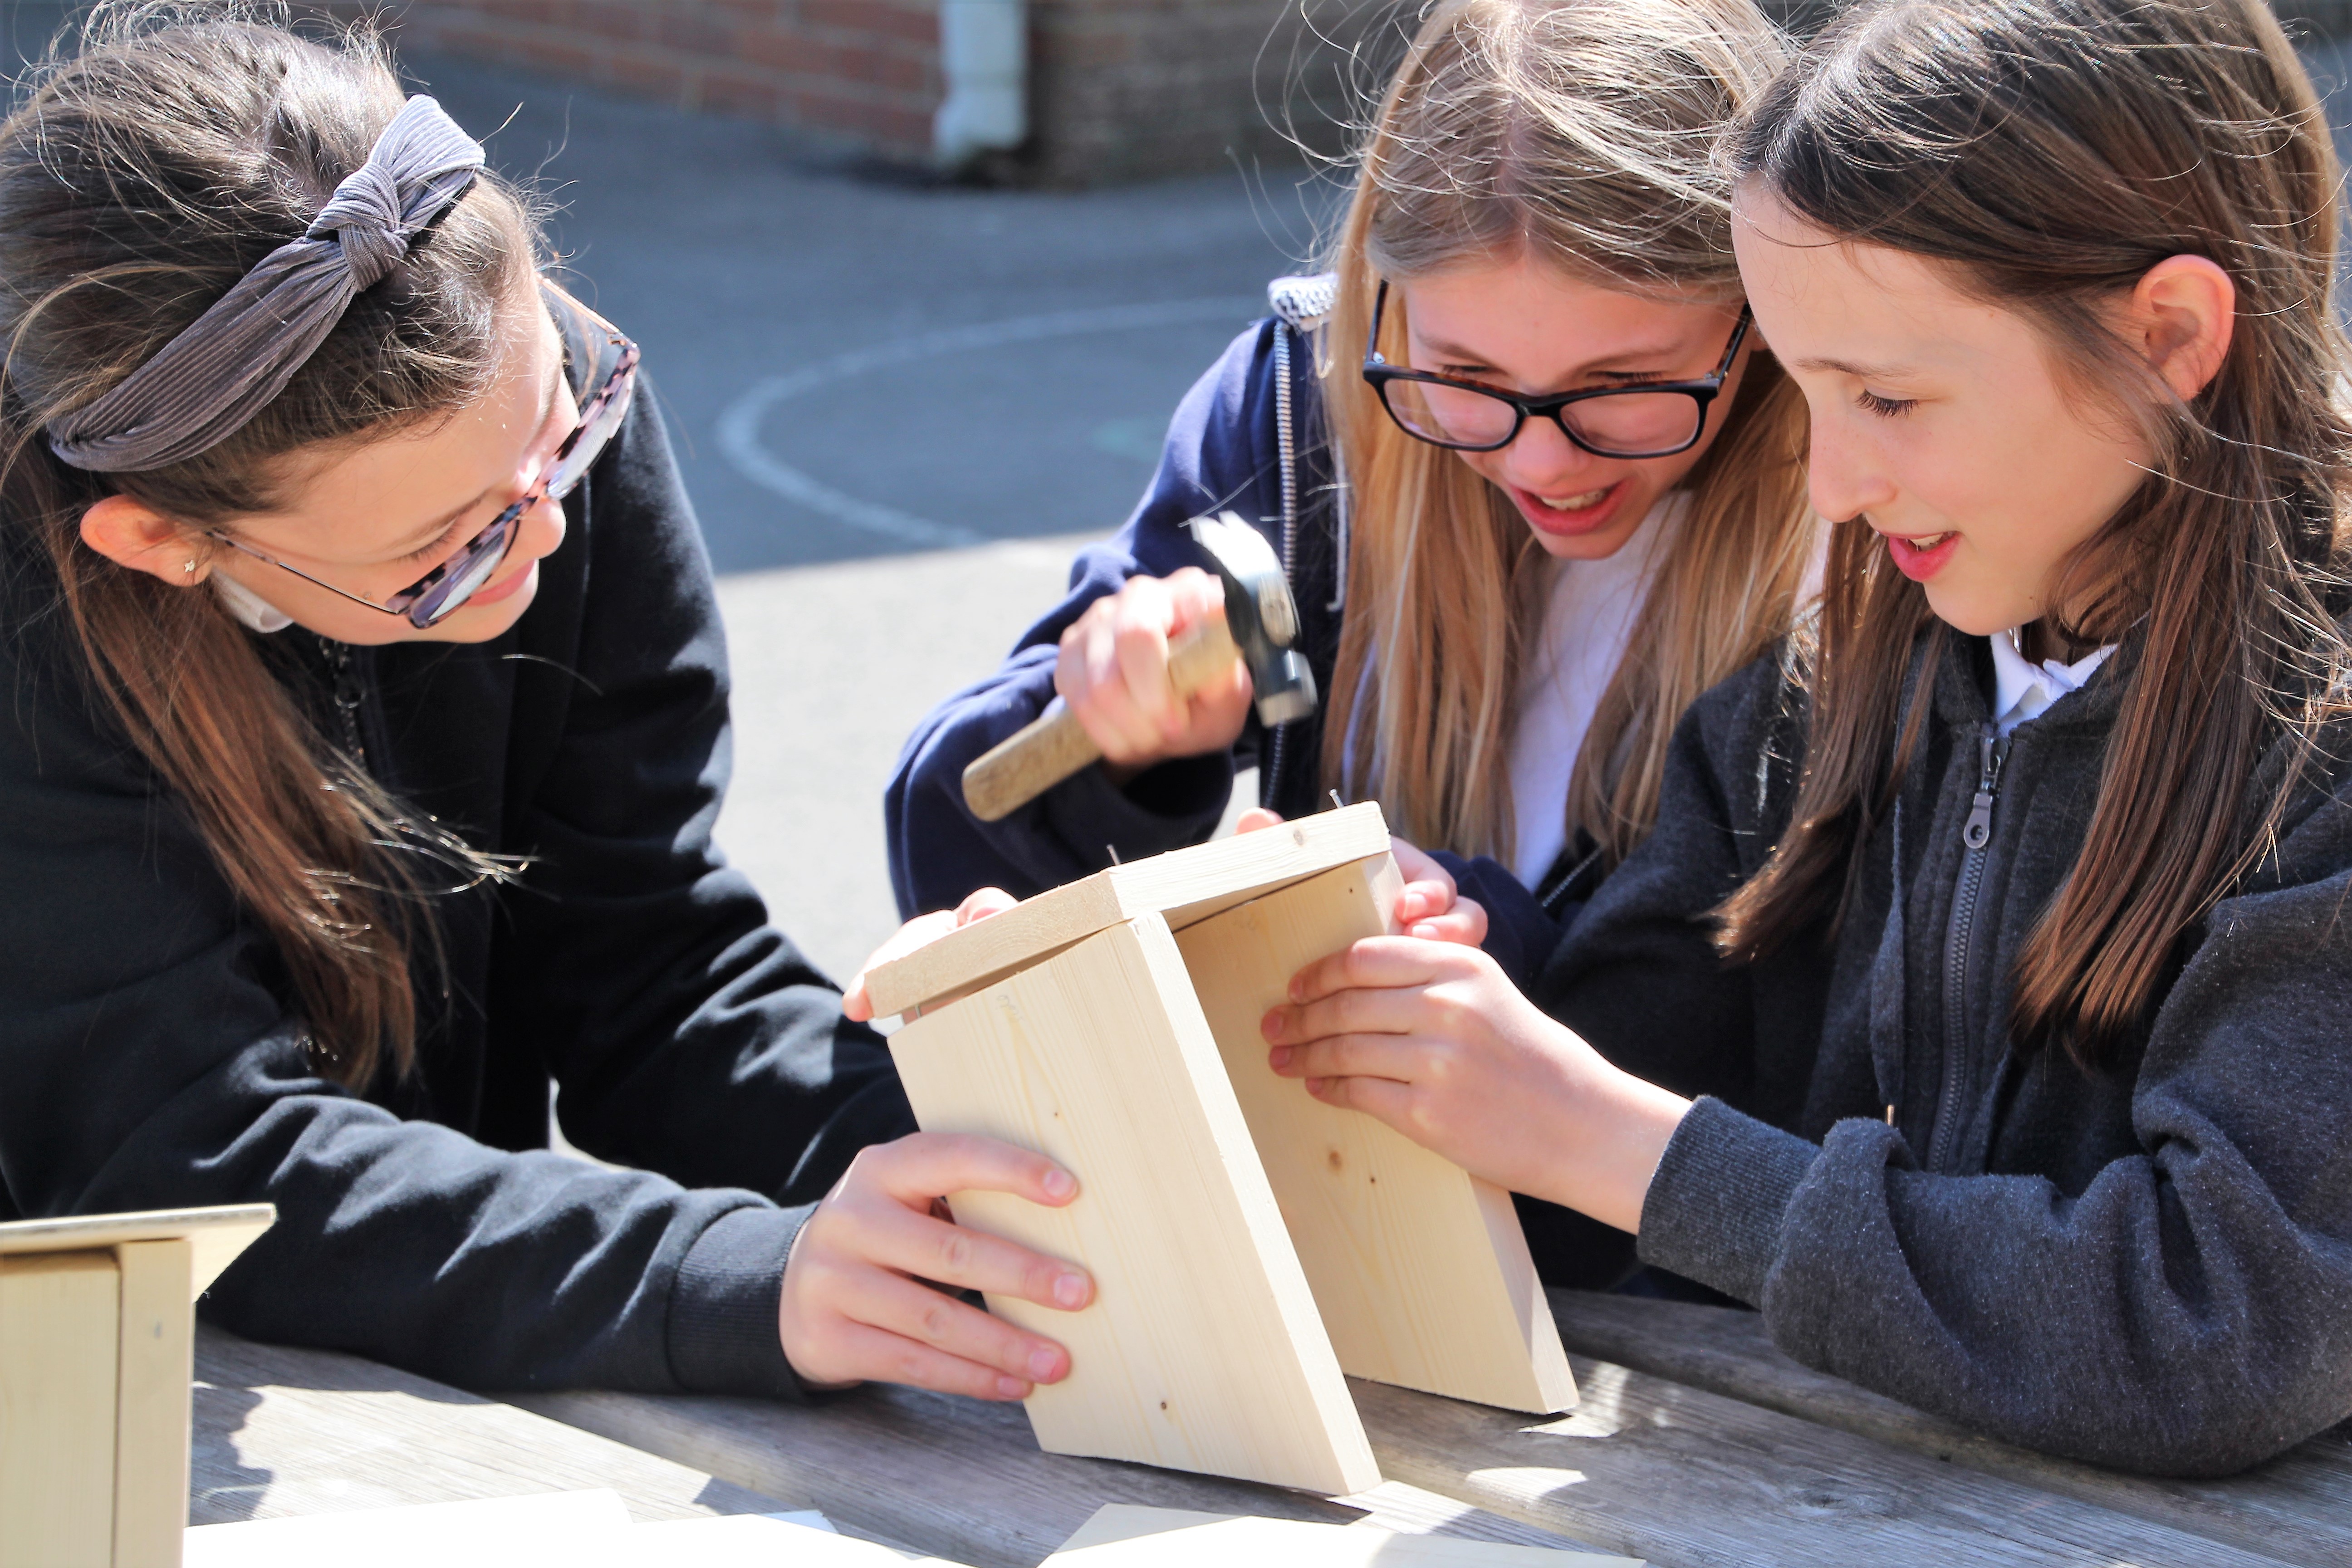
[1581, 133]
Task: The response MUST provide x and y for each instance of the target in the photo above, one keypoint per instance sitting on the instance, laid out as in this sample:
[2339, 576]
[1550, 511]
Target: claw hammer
[1259, 628]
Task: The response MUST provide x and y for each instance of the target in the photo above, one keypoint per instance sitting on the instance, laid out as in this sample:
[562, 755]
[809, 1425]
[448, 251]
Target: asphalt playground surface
[899, 407]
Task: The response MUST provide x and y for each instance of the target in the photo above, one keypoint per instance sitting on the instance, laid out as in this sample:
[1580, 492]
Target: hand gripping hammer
[1260, 628]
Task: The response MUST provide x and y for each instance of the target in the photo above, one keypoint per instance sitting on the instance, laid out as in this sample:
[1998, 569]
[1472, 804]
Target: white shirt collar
[249, 608]
[2023, 689]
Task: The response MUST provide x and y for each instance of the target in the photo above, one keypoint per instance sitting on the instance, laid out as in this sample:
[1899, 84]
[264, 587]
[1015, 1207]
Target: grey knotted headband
[204, 385]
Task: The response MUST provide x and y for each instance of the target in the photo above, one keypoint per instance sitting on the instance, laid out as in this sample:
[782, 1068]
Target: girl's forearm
[1618, 1132]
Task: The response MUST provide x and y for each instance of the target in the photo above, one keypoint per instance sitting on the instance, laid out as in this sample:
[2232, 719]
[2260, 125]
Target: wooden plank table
[280, 1432]
[1697, 1444]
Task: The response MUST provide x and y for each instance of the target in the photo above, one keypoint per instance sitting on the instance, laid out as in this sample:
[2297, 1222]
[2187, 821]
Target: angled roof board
[1187, 886]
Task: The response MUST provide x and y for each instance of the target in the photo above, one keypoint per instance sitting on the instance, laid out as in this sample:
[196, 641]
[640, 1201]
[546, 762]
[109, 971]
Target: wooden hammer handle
[1030, 761]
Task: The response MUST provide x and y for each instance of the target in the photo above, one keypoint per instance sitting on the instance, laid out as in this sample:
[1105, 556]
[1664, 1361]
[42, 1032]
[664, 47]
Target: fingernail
[1012, 1388]
[1059, 1183]
[1042, 1364]
[1271, 1024]
[1070, 1290]
[1279, 1057]
[1299, 988]
[1314, 1085]
[1426, 933]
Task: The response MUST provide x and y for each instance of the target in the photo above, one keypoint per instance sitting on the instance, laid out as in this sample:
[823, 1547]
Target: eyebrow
[1860, 371]
[1457, 355]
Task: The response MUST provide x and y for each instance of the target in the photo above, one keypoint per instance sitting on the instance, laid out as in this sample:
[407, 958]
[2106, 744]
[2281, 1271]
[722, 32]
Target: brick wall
[1119, 89]
[1124, 89]
[861, 73]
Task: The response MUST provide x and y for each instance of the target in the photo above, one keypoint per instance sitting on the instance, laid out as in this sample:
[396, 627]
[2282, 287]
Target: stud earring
[189, 567]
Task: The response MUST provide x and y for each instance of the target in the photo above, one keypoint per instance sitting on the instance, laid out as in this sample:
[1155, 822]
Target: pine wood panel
[155, 1367]
[58, 1351]
[2297, 1508]
[217, 1234]
[1185, 885]
[1421, 1273]
[1202, 1350]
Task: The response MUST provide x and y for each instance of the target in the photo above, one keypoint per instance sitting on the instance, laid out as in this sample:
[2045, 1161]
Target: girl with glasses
[1978, 1010]
[1534, 479]
[364, 715]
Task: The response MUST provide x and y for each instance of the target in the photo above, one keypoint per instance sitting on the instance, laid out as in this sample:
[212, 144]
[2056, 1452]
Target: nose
[540, 532]
[1844, 475]
[1542, 458]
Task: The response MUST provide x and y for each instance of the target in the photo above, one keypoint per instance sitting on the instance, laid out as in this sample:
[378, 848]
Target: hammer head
[1261, 615]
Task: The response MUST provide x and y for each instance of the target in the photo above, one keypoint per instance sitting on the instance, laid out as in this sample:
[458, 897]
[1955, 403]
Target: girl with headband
[1533, 476]
[363, 718]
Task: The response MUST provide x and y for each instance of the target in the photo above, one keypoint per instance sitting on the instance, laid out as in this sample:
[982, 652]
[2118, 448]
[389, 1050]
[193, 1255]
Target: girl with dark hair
[365, 713]
[1979, 1009]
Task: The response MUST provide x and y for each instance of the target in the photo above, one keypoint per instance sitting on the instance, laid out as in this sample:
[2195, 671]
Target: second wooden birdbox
[97, 1321]
[1249, 1244]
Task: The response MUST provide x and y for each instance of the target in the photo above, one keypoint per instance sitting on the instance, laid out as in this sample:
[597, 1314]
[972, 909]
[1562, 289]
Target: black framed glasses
[1656, 419]
[435, 596]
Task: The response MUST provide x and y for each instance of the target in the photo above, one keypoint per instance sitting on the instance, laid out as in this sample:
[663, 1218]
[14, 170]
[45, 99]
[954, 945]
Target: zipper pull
[1978, 831]
[347, 694]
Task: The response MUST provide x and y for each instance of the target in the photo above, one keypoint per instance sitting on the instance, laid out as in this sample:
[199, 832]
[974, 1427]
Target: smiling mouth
[1583, 501]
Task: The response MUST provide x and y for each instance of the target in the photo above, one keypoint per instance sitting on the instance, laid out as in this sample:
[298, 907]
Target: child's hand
[920, 931]
[858, 1299]
[1433, 1039]
[1430, 907]
[1112, 672]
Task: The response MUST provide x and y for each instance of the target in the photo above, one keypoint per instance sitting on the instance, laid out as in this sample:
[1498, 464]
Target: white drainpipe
[984, 56]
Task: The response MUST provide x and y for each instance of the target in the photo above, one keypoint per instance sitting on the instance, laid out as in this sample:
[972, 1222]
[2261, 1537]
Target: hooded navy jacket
[1248, 437]
[153, 1061]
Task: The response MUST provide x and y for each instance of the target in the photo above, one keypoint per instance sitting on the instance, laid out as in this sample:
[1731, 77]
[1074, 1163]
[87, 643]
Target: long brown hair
[2051, 152]
[143, 176]
[1578, 132]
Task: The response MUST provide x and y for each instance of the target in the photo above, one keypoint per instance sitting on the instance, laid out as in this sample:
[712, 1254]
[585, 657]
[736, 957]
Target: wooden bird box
[96, 1335]
[1249, 1244]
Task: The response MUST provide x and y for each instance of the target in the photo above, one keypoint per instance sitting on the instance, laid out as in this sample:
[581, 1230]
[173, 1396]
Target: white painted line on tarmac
[739, 425]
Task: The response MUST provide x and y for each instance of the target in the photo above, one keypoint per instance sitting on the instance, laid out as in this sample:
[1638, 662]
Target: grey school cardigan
[2147, 1266]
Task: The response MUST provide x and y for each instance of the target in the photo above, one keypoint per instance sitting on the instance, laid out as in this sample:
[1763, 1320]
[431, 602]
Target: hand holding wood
[1433, 1040]
[858, 1303]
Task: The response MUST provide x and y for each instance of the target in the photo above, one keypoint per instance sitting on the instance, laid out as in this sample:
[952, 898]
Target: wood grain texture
[281, 1431]
[959, 1477]
[1027, 763]
[155, 1367]
[1185, 885]
[1202, 1350]
[1041, 754]
[2297, 1508]
[1120, 1535]
[58, 1368]
[1421, 1275]
[1685, 1478]
[217, 1234]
